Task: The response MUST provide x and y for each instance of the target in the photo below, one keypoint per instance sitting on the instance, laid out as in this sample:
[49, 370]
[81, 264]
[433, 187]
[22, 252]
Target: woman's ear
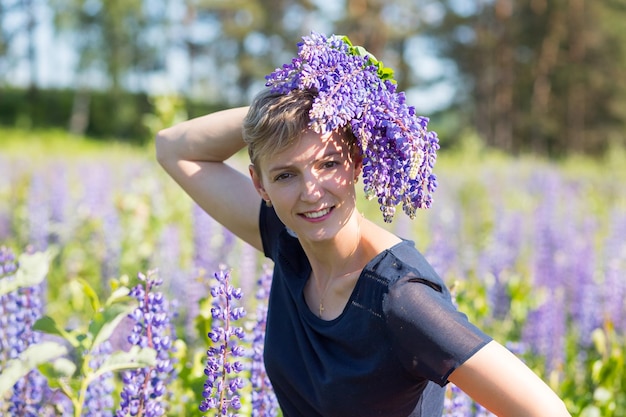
[258, 183]
[358, 164]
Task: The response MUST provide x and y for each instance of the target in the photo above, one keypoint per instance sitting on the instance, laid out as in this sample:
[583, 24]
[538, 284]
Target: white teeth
[317, 214]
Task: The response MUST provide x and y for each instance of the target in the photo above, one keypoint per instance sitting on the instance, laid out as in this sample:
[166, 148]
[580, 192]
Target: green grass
[54, 142]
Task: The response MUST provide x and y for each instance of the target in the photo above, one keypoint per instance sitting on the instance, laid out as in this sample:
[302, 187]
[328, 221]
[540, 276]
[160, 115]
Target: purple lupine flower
[205, 232]
[97, 204]
[547, 239]
[8, 263]
[205, 228]
[7, 178]
[8, 304]
[442, 252]
[19, 310]
[38, 212]
[98, 397]
[482, 411]
[144, 388]
[168, 253]
[457, 403]
[112, 234]
[59, 203]
[399, 152]
[222, 384]
[499, 257]
[27, 399]
[247, 268]
[575, 259]
[212, 244]
[5, 224]
[519, 349]
[226, 246]
[97, 188]
[545, 328]
[264, 402]
[585, 296]
[614, 286]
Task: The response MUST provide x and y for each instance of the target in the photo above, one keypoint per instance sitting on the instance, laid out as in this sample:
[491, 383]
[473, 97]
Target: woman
[359, 324]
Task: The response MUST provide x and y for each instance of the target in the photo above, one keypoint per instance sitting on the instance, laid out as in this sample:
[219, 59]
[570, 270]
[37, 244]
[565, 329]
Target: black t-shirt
[388, 354]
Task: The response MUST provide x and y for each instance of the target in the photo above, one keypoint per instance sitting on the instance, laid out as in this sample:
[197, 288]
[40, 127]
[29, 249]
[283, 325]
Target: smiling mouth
[317, 214]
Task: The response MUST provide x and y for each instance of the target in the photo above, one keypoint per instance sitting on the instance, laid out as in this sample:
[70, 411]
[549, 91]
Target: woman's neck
[344, 254]
[350, 250]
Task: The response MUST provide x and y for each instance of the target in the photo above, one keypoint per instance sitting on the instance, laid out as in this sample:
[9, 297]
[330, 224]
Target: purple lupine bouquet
[356, 90]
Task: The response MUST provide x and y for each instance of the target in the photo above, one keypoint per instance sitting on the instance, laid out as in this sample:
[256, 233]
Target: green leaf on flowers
[602, 395]
[597, 368]
[360, 51]
[105, 321]
[135, 358]
[32, 270]
[59, 368]
[591, 411]
[347, 40]
[90, 293]
[47, 324]
[120, 295]
[600, 341]
[28, 360]
[383, 72]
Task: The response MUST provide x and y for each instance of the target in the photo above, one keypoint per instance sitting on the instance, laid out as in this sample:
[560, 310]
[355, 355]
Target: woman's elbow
[162, 146]
[557, 409]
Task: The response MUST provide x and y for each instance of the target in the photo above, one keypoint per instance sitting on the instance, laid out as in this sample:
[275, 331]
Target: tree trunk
[484, 78]
[575, 120]
[542, 88]
[79, 120]
[504, 115]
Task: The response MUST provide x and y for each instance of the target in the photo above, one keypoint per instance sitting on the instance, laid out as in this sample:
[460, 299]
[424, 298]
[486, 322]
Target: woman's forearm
[211, 138]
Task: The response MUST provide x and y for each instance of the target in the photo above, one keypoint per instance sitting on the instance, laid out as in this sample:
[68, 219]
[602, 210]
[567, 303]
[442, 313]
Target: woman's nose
[312, 189]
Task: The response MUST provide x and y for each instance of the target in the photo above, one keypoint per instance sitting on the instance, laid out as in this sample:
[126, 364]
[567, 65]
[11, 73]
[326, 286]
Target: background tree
[241, 42]
[18, 23]
[538, 75]
[113, 44]
[529, 75]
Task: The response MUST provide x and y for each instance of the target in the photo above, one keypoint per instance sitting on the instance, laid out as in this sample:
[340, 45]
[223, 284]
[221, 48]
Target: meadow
[534, 252]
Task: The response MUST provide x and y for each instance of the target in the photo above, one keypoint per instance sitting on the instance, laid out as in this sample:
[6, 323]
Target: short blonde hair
[276, 121]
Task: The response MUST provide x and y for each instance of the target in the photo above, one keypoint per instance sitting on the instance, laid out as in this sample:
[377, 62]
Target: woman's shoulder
[399, 258]
[378, 239]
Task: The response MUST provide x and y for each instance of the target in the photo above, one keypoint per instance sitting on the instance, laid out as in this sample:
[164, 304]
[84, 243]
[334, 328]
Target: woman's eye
[282, 176]
[330, 164]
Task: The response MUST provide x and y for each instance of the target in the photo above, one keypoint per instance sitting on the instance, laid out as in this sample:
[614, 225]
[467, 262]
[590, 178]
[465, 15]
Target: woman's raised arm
[194, 152]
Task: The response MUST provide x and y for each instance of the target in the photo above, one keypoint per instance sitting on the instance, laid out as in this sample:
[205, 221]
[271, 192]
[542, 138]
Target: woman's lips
[318, 214]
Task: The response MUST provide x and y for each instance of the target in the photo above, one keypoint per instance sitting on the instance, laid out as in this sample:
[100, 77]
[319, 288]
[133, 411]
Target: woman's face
[311, 184]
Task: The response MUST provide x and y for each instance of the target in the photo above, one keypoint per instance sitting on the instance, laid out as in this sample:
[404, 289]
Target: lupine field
[119, 297]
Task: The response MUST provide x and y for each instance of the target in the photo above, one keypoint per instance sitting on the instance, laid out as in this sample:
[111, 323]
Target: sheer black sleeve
[430, 336]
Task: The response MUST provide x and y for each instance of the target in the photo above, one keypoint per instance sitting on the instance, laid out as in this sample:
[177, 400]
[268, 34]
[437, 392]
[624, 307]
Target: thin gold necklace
[321, 308]
[322, 298]
[330, 280]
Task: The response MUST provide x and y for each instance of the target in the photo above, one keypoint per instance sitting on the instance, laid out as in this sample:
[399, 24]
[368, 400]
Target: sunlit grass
[44, 143]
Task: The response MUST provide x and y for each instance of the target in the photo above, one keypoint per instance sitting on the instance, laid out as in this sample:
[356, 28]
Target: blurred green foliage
[130, 117]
